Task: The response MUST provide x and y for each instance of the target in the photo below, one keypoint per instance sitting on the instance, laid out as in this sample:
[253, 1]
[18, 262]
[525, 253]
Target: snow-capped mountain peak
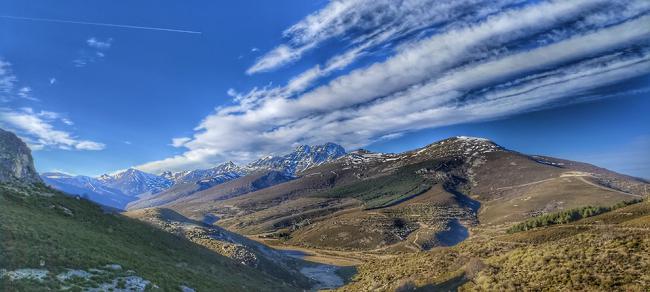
[119, 188]
[302, 158]
[225, 171]
[135, 182]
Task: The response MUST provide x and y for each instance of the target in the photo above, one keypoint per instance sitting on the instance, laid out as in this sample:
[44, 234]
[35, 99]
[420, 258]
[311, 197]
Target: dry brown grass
[609, 252]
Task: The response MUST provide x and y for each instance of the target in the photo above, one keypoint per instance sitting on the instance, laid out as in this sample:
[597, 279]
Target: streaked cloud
[180, 142]
[366, 24]
[461, 62]
[7, 81]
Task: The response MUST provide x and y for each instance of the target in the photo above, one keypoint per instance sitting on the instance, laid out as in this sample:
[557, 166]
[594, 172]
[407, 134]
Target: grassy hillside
[607, 252]
[385, 190]
[229, 244]
[48, 231]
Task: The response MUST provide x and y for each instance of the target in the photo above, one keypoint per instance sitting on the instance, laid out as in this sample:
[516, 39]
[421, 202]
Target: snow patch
[468, 138]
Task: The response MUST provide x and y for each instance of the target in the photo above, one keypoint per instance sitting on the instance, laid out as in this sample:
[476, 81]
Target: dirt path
[577, 174]
[526, 184]
[582, 178]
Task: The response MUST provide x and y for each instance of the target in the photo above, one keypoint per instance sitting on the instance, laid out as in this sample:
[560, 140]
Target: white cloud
[99, 44]
[89, 145]
[279, 56]
[81, 62]
[9, 87]
[67, 121]
[37, 127]
[52, 81]
[535, 55]
[180, 142]
[7, 81]
[26, 93]
[95, 51]
[39, 132]
[365, 24]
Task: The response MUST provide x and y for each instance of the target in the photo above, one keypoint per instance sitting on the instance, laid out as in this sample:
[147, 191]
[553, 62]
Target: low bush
[564, 217]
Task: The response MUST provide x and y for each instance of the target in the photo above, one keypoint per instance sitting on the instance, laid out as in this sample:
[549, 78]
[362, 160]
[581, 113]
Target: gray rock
[16, 164]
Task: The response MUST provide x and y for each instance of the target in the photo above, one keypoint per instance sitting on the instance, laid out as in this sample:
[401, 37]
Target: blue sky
[567, 79]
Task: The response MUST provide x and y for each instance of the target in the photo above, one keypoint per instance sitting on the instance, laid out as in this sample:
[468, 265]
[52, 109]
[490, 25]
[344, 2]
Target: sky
[95, 87]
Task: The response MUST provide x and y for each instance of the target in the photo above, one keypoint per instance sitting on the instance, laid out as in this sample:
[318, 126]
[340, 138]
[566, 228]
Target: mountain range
[322, 197]
[414, 200]
[462, 213]
[119, 189]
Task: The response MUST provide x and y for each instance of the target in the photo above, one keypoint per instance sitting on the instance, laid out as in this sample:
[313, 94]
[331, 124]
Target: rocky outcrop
[16, 164]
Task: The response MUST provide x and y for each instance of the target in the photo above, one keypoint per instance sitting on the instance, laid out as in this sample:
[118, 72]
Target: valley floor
[607, 252]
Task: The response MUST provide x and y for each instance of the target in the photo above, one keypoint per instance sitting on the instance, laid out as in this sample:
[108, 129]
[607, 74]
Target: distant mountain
[215, 175]
[133, 182]
[16, 164]
[413, 200]
[139, 189]
[189, 182]
[199, 192]
[262, 173]
[302, 158]
[88, 187]
[113, 190]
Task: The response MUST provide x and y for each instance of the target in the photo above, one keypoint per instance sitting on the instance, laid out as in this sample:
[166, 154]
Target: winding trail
[582, 178]
[577, 174]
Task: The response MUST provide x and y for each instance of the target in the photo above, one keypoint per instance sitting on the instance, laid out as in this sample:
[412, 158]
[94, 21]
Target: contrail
[99, 24]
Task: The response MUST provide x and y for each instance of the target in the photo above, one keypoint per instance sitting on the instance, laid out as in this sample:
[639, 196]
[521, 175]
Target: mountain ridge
[131, 185]
[408, 200]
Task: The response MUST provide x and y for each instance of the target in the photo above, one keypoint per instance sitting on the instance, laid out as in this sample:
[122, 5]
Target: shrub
[568, 216]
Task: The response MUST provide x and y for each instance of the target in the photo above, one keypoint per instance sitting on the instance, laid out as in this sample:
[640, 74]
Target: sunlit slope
[45, 230]
[607, 252]
[409, 201]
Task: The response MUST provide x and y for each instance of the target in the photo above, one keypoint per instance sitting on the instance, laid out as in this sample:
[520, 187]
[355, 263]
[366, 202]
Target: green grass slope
[44, 229]
[403, 184]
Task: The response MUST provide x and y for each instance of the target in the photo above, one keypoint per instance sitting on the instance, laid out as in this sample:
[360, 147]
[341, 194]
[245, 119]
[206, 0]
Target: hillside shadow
[456, 234]
[465, 200]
